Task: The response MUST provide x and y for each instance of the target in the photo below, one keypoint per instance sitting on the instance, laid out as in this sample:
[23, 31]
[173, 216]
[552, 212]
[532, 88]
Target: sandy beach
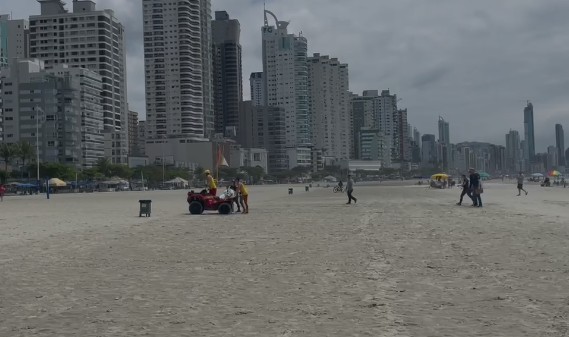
[403, 261]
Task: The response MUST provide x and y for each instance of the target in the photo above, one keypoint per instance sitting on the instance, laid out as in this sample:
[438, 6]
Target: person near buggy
[465, 189]
[242, 189]
[211, 183]
[238, 197]
[341, 185]
[475, 188]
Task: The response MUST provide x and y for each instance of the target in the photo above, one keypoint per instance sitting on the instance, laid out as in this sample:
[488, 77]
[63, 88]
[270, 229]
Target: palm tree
[25, 151]
[104, 166]
[7, 153]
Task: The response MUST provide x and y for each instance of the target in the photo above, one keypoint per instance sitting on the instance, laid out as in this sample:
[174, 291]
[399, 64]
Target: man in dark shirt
[475, 188]
[465, 189]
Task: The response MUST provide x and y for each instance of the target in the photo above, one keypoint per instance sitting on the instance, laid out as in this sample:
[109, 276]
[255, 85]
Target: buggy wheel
[224, 209]
[196, 207]
[336, 189]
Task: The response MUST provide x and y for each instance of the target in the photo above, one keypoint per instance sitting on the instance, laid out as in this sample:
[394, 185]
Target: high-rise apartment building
[552, 159]
[428, 150]
[258, 96]
[58, 109]
[329, 106]
[91, 39]
[141, 138]
[529, 135]
[227, 73]
[285, 72]
[362, 114]
[133, 133]
[14, 39]
[401, 140]
[513, 152]
[444, 144]
[178, 69]
[560, 144]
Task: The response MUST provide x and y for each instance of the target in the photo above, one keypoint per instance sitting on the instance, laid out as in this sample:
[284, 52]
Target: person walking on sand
[2, 192]
[465, 189]
[242, 189]
[475, 188]
[211, 185]
[350, 190]
[520, 179]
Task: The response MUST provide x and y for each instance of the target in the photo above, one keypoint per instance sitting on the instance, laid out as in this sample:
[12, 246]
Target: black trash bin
[290, 190]
[145, 207]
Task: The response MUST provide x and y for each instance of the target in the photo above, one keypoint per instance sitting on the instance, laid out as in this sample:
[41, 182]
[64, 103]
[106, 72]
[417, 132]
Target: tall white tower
[285, 72]
[330, 106]
[178, 66]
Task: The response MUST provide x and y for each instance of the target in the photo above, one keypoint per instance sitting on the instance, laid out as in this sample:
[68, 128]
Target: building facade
[285, 71]
[94, 40]
[428, 151]
[560, 144]
[529, 135]
[513, 152]
[329, 106]
[14, 39]
[258, 95]
[58, 110]
[178, 69]
[227, 73]
[133, 134]
[401, 137]
[374, 146]
[264, 128]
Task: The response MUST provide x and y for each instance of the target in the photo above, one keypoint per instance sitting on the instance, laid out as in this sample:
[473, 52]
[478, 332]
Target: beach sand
[403, 261]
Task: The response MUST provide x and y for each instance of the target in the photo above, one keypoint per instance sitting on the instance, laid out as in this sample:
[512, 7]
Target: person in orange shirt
[211, 184]
[242, 189]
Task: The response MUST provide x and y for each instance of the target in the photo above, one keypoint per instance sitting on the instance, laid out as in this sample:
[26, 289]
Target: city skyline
[521, 40]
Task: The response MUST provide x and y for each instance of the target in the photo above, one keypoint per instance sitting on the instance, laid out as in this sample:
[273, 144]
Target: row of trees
[23, 152]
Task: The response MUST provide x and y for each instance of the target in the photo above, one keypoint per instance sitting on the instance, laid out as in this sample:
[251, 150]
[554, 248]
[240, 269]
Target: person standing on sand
[2, 192]
[242, 189]
[475, 188]
[350, 190]
[520, 179]
[465, 189]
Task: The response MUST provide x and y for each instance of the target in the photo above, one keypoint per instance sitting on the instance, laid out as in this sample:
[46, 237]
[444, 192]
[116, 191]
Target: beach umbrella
[554, 173]
[442, 176]
[537, 175]
[57, 182]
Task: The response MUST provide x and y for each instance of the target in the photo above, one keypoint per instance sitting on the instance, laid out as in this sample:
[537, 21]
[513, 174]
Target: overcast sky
[473, 62]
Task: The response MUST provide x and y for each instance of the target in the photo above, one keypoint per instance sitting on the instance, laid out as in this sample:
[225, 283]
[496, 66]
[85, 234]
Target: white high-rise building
[14, 39]
[285, 71]
[329, 104]
[178, 69]
[91, 39]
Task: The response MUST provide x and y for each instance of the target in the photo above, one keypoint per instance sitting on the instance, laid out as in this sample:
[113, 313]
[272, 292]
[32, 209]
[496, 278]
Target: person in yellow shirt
[211, 184]
[242, 189]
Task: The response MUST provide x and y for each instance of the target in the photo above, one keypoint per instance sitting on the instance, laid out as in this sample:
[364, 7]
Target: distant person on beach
[520, 179]
[242, 190]
[475, 188]
[211, 185]
[340, 184]
[350, 190]
[465, 189]
[2, 192]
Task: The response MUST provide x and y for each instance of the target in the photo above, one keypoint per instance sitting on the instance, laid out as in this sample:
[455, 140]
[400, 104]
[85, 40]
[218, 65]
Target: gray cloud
[473, 62]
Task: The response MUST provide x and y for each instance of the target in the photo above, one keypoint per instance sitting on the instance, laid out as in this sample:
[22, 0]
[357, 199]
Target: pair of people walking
[472, 187]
